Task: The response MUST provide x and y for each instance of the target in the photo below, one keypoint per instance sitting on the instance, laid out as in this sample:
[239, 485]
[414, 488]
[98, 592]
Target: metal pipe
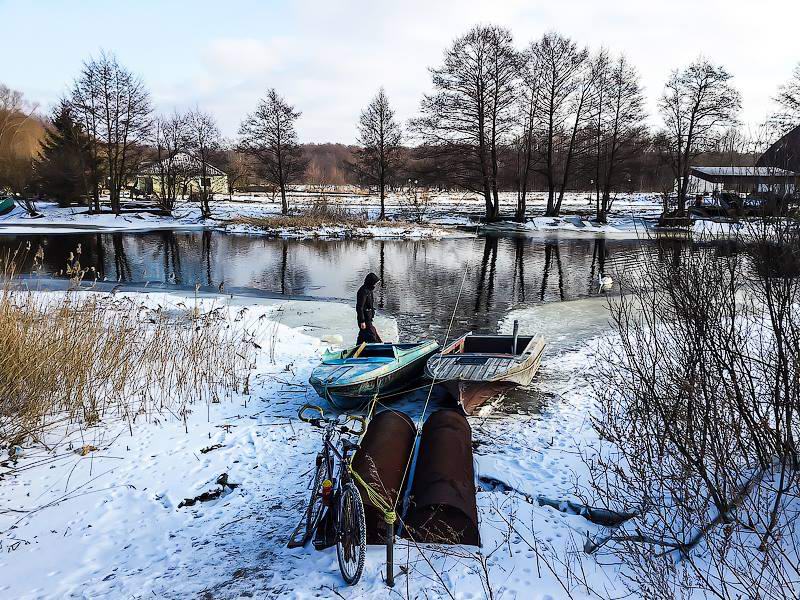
[390, 554]
[516, 335]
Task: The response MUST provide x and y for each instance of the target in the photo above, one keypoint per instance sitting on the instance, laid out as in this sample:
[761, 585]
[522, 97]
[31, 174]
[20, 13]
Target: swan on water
[604, 281]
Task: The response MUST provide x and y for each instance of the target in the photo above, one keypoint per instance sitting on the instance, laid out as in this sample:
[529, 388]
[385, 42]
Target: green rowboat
[6, 205]
[350, 378]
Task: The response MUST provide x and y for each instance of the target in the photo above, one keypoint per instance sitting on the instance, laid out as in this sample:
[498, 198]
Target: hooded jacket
[365, 299]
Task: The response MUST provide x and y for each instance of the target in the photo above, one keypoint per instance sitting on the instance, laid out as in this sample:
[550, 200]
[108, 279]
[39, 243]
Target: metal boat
[350, 378]
[475, 368]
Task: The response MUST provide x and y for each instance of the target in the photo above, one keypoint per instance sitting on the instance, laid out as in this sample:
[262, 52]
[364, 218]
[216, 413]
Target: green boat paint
[6, 205]
[350, 383]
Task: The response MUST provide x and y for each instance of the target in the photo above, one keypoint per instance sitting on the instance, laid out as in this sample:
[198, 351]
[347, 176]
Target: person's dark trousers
[369, 335]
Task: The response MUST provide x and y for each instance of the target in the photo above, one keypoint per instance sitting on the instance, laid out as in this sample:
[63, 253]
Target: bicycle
[335, 510]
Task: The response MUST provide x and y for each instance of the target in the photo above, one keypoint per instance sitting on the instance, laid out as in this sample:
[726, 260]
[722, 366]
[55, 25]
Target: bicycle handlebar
[360, 420]
[311, 420]
[318, 421]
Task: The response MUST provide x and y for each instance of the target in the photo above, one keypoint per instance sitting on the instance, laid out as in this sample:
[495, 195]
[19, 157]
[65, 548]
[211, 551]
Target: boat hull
[384, 378]
[470, 395]
[356, 396]
[473, 378]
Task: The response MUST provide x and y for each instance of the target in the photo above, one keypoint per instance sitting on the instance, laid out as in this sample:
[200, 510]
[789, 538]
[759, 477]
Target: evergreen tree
[65, 169]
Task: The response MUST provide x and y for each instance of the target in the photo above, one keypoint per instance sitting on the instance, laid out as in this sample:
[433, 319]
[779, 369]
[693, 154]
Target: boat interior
[377, 350]
[492, 344]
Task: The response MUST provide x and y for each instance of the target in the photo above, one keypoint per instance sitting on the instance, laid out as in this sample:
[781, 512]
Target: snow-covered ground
[108, 524]
[631, 214]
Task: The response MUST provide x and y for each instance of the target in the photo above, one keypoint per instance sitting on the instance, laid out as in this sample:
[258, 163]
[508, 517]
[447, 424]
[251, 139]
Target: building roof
[184, 162]
[722, 174]
[785, 152]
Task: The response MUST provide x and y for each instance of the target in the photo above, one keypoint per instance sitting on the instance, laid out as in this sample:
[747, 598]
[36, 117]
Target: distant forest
[331, 164]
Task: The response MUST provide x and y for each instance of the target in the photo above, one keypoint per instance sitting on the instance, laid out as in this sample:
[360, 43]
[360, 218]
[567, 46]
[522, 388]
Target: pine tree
[65, 169]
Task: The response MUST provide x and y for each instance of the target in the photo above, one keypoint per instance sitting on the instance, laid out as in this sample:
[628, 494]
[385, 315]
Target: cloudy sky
[329, 57]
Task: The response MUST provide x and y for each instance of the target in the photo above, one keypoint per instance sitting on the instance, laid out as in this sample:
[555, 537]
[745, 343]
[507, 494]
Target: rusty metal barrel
[442, 509]
[382, 461]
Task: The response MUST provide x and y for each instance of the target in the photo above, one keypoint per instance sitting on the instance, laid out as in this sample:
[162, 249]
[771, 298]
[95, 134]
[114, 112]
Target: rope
[421, 419]
[390, 511]
[377, 500]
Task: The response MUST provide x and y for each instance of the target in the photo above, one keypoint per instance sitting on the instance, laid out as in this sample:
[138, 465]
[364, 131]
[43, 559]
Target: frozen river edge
[107, 524]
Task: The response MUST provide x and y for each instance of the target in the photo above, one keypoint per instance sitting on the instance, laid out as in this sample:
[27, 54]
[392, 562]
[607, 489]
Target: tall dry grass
[78, 357]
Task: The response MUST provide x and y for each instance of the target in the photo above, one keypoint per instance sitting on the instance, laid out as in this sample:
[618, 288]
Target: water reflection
[419, 279]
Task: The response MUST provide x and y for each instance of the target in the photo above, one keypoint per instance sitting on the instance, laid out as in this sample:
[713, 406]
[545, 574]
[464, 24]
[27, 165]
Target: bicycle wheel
[305, 529]
[351, 543]
[315, 504]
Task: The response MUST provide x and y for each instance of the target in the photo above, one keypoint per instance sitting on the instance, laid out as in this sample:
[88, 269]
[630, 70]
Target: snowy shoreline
[109, 524]
[447, 216]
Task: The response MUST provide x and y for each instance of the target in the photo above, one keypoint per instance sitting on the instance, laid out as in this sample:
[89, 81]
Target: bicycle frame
[336, 463]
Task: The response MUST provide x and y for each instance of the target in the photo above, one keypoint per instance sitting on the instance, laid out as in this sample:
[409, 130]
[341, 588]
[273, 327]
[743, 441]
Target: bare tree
[789, 100]
[21, 133]
[171, 136]
[269, 135]
[700, 409]
[237, 167]
[578, 137]
[203, 141]
[379, 136]
[619, 125]
[698, 102]
[114, 108]
[530, 106]
[564, 93]
[471, 114]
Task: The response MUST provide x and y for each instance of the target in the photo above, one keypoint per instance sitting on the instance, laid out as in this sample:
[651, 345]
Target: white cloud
[243, 57]
[329, 58]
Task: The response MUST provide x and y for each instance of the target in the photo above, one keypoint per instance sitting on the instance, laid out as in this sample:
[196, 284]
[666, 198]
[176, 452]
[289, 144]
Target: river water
[420, 280]
[548, 280]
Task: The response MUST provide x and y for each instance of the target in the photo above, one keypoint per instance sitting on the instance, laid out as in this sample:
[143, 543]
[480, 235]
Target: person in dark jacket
[365, 311]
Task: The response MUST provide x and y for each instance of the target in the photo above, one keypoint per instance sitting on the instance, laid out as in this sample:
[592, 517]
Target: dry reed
[81, 357]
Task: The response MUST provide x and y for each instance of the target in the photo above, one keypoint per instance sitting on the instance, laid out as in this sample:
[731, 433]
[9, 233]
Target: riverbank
[109, 522]
[246, 217]
[345, 216]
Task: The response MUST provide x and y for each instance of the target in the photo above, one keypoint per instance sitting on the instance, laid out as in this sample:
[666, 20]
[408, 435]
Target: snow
[745, 230]
[187, 217]
[617, 227]
[108, 523]
[446, 212]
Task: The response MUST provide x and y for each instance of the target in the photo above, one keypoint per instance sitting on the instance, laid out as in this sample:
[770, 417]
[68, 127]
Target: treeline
[553, 116]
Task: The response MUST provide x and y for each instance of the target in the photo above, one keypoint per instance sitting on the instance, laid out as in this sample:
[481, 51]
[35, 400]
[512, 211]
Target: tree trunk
[382, 216]
[284, 201]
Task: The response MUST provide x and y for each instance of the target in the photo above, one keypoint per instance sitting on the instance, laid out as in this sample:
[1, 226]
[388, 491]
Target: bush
[700, 406]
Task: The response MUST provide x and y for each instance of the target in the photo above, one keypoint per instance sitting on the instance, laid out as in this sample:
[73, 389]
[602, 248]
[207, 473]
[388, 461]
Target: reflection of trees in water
[599, 254]
[205, 256]
[419, 279]
[488, 264]
[274, 265]
[518, 278]
[122, 266]
[170, 252]
[552, 254]
[284, 260]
